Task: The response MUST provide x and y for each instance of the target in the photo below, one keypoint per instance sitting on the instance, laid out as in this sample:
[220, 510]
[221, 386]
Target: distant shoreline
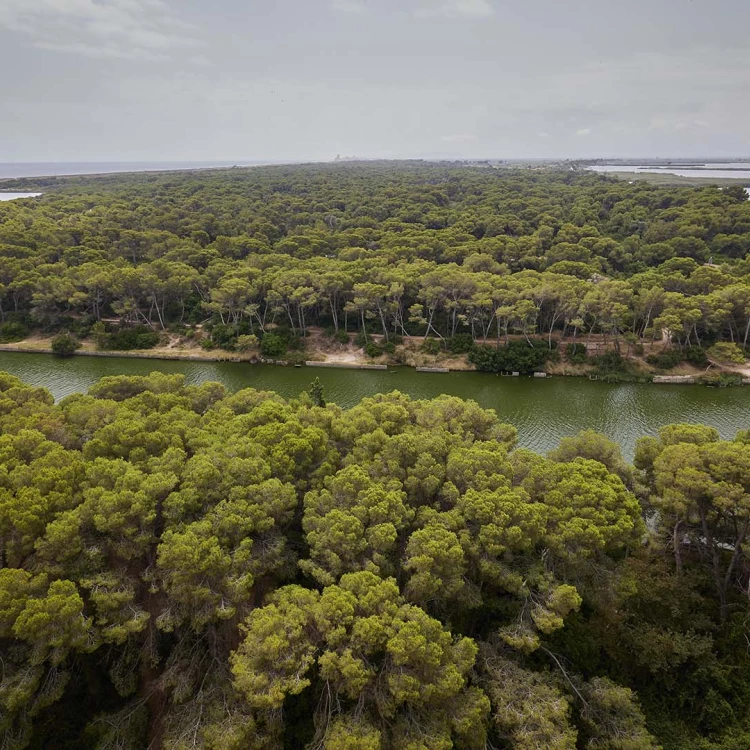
[13, 170]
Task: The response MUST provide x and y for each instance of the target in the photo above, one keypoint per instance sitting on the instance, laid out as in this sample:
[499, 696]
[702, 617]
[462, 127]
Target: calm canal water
[543, 411]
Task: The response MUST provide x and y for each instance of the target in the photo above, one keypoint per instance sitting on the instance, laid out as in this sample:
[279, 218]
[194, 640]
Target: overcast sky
[308, 79]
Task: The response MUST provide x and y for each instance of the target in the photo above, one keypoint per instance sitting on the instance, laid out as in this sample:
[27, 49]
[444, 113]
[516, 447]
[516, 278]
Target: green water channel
[543, 410]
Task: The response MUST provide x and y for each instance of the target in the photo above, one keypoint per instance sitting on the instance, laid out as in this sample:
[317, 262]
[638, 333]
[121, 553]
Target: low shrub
[666, 359]
[431, 346]
[12, 331]
[79, 327]
[246, 342]
[720, 379]
[295, 342]
[124, 339]
[65, 345]
[373, 350]
[611, 363]
[389, 347]
[342, 336]
[725, 351]
[516, 356]
[697, 356]
[361, 339]
[225, 336]
[461, 343]
[576, 354]
[273, 345]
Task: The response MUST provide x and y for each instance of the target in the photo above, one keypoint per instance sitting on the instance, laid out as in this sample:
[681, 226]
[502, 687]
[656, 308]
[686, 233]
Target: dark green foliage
[64, 345]
[123, 339]
[516, 356]
[373, 350]
[361, 339]
[431, 346]
[697, 356]
[12, 331]
[316, 393]
[447, 251]
[273, 345]
[461, 343]
[667, 359]
[294, 341]
[389, 347]
[576, 354]
[611, 363]
[342, 336]
[224, 336]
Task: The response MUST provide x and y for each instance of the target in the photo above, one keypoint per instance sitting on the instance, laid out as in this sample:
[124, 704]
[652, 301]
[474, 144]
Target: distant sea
[52, 168]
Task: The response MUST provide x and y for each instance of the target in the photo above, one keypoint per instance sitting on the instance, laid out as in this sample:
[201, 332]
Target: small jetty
[684, 379]
[346, 365]
[432, 369]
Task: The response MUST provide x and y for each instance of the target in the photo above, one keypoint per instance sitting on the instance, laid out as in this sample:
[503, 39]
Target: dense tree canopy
[185, 568]
[438, 250]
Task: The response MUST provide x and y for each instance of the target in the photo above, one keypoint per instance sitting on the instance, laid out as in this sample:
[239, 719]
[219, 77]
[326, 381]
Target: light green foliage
[54, 624]
[351, 734]
[587, 509]
[437, 564]
[247, 342]
[278, 649]
[726, 351]
[39, 479]
[529, 710]
[702, 488]
[353, 524]
[232, 571]
[590, 444]
[371, 648]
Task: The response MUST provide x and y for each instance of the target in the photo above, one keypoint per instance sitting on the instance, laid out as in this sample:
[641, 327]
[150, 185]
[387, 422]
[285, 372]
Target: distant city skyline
[225, 81]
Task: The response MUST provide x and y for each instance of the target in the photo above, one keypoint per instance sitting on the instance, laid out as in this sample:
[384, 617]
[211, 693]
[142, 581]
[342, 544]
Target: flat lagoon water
[734, 171]
[543, 410]
[15, 196]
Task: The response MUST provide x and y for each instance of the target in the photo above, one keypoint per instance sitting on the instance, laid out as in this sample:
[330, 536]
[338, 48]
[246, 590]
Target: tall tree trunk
[677, 545]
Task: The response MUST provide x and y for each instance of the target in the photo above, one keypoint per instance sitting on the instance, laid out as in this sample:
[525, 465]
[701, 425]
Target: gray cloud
[307, 79]
[348, 6]
[453, 8]
[126, 29]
